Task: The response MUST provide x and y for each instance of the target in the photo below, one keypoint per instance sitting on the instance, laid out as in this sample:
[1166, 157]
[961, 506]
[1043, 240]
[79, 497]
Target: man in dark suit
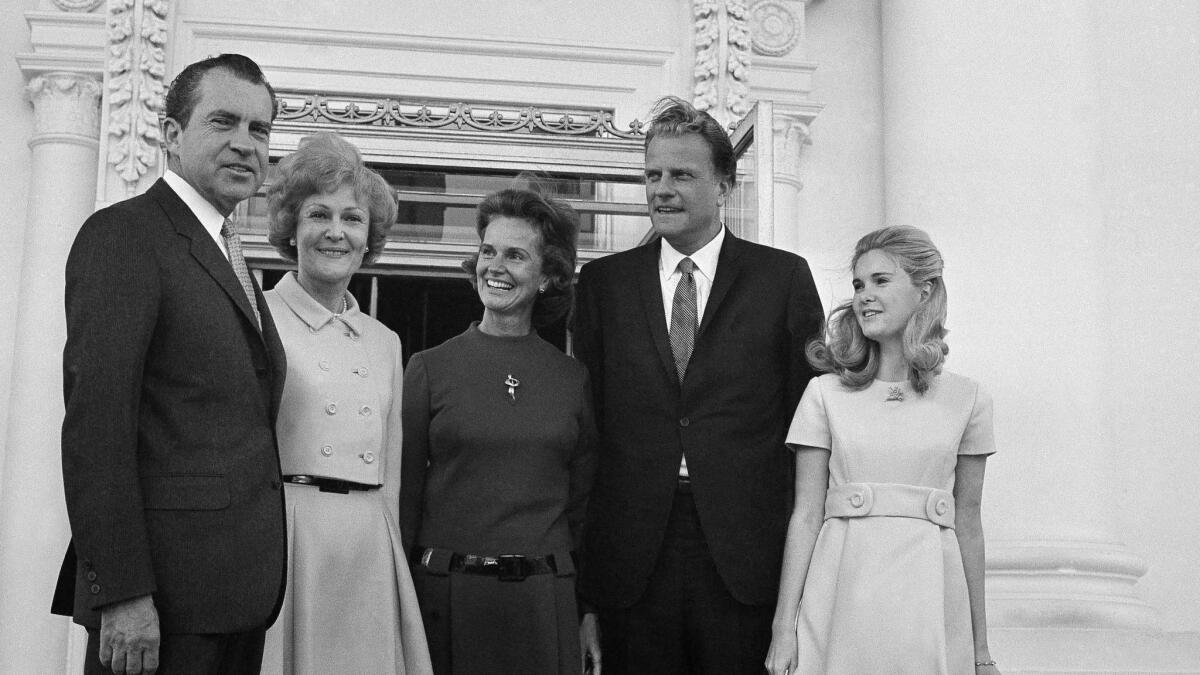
[695, 344]
[172, 376]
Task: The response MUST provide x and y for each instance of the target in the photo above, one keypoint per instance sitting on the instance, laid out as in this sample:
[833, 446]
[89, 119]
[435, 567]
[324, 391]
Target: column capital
[66, 108]
[791, 130]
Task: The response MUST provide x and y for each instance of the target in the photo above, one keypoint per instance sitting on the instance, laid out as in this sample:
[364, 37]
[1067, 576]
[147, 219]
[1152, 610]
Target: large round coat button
[941, 507]
[324, 365]
[331, 409]
[95, 589]
[856, 500]
[327, 450]
[368, 457]
[683, 421]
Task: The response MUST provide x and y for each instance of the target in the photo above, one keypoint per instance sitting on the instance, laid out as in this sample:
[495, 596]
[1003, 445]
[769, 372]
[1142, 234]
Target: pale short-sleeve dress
[886, 591]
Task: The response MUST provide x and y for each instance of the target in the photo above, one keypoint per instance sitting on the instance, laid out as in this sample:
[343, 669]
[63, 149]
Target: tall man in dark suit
[172, 375]
[695, 344]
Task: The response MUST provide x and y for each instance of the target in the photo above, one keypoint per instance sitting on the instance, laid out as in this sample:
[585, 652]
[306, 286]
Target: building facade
[1050, 148]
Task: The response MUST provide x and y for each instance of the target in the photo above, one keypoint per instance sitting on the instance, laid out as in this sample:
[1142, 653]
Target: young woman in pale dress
[883, 569]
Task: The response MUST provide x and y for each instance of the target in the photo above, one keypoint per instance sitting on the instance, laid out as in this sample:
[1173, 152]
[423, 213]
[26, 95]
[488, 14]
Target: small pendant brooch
[512, 383]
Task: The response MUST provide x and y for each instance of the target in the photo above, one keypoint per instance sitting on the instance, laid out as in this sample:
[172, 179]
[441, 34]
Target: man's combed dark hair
[182, 96]
[557, 226]
[673, 116]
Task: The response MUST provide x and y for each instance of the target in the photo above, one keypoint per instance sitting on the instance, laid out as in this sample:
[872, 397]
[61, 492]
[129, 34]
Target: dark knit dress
[489, 473]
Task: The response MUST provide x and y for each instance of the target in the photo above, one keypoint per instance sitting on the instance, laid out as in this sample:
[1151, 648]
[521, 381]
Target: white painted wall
[1149, 279]
[842, 170]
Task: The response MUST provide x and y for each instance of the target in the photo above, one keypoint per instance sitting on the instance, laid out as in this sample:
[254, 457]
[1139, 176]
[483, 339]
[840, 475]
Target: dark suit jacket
[731, 414]
[169, 456]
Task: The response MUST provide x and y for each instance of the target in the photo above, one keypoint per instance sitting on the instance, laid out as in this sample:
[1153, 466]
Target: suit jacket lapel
[203, 248]
[729, 265]
[650, 289]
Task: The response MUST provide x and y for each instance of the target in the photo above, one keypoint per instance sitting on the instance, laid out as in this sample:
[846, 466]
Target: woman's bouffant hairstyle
[843, 349]
[557, 226]
[674, 117]
[323, 163]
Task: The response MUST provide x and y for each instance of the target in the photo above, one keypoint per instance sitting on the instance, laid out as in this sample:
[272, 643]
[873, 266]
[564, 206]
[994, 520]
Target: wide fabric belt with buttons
[857, 500]
[504, 567]
[329, 484]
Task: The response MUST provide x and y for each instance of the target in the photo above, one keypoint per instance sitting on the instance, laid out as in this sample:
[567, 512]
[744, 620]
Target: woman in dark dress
[499, 455]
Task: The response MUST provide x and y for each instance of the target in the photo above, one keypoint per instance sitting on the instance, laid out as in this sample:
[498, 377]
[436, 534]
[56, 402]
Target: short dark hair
[557, 226]
[181, 97]
[673, 116]
[323, 163]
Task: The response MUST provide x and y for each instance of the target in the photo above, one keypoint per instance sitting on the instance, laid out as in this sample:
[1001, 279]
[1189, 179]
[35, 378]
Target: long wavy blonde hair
[842, 348]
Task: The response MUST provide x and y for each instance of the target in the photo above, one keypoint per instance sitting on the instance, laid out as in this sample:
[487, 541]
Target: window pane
[438, 206]
[741, 211]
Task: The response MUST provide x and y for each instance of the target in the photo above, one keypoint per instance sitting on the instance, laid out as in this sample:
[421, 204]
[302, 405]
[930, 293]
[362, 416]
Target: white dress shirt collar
[205, 212]
[705, 258]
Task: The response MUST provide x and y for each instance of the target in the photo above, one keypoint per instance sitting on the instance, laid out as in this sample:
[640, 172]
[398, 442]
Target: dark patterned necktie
[233, 244]
[683, 317]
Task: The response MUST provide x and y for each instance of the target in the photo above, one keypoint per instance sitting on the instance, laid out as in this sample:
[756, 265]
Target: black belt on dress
[329, 484]
[505, 567]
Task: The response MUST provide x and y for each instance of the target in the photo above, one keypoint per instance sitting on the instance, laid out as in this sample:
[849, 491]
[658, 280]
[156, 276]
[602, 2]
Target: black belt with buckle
[504, 567]
[329, 484]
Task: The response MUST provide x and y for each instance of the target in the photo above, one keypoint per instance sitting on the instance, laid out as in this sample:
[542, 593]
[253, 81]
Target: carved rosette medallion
[721, 76]
[77, 5]
[774, 28]
[137, 33]
[65, 104]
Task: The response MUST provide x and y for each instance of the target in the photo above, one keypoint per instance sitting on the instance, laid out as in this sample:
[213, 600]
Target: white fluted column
[993, 143]
[790, 134]
[33, 522]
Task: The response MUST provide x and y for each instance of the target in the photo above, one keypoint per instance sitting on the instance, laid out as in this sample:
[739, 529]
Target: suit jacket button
[91, 576]
[683, 421]
[327, 450]
[95, 589]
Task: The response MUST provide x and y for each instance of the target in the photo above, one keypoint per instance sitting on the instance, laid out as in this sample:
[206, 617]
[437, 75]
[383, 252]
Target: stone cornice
[473, 45]
[64, 42]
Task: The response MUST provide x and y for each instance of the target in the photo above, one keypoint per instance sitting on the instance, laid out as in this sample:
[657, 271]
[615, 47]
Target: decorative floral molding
[390, 112]
[65, 103]
[721, 34]
[77, 5]
[708, 53]
[137, 32]
[737, 64]
[775, 29]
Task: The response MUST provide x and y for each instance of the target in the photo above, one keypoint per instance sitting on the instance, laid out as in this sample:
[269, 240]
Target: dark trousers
[232, 653]
[686, 622]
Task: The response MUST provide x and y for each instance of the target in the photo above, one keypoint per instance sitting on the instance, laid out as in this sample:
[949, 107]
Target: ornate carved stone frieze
[391, 112]
[77, 5]
[65, 105]
[137, 33]
[721, 76]
[775, 30]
